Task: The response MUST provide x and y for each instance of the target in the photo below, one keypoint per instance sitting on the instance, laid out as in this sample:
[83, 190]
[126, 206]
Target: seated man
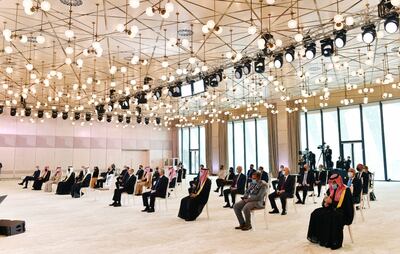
[228, 180]
[76, 187]
[192, 205]
[285, 190]
[159, 189]
[237, 187]
[55, 179]
[33, 177]
[326, 223]
[144, 182]
[103, 177]
[364, 178]
[249, 174]
[264, 175]
[305, 183]
[320, 178]
[280, 173]
[121, 179]
[37, 184]
[128, 187]
[64, 187]
[252, 199]
[355, 186]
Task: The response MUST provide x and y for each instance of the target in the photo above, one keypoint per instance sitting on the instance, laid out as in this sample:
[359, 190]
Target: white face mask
[334, 186]
[350, 175]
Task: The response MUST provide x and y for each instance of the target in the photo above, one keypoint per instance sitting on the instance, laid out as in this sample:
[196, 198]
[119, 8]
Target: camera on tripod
[322, 147]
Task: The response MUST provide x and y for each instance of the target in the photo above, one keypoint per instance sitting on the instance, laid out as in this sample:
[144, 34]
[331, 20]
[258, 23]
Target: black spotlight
[13, 111]
[141, 97]
[54, 113]
[124, 103]
[139, 110]
[109, 118]
[247, 68]
[77, 116]
[213, 80]
[310, 51]
[175, 90]
[1, 109]
[88, 116]
[327, 47]
[368, 33]
[340, 38]
[139, 119]
[278, 61]
[157, 93]
[40, 113]
[28, 111]
[158, 120]
[65, 115]
[110, 106]
[289, 54]
[100, 117]
[128, 119]
[120, 118]
[146, 120]
[219, 75]
[100, 109]
[238, 72]
[392, 22]
[259, 65]
[206, 81]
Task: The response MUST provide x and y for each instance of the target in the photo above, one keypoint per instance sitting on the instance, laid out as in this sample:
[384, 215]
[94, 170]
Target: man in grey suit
[252, 199]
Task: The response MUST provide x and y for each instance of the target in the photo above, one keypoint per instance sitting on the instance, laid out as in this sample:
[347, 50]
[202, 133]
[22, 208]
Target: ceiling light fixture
[368, 33]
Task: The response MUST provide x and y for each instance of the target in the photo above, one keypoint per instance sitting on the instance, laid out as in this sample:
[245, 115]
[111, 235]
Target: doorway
[354, 149]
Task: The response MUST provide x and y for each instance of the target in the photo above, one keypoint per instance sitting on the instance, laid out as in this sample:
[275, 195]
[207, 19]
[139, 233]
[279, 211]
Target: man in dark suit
[264, 175]
[280, 173]
[355, 185]
[250, 172]
[321, 178]
[237, 187]
[340, 163]
[347, 163]
[328, 157]
[128, 187]
[37, 184]
[123, 176]
[285, 190]
[159, 189]
[33, 177]
[140, 172]
[311, 159]
[364, 178]
[305, 182]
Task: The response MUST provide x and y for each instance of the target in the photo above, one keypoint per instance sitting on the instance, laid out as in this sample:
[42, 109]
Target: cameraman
[328, 157]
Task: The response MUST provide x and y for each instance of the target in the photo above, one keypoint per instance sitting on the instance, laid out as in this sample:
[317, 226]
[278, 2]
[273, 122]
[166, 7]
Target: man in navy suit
[33, 177]
[305, 182]
[237, 187]
[264, 175]
[159, 189]
[285, 190]
[128, 187]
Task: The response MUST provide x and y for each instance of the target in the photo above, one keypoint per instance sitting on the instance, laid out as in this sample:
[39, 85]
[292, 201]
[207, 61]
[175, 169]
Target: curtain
[223, 144]
[208, 130]
[175, 145]
[293, 120]
[273, 143]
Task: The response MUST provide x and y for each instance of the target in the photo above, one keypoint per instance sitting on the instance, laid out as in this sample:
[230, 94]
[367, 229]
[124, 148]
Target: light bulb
[69, 50]
[169, 7]
[23, 39]
[164, 64]
[149, 11]
[261, 43]
[338, 18]
[27, 4]
[29, 66]
[292, 24]
[134, 30]
[298, 37]
[278, 42]
[210, 24]
[96, 45]
[40, 39]
[120, 27]
[123, 69]
[7, 33]
[79, 62]
[185, 43]
[113, 69]
[270, 2]
[218, 29]
[179, 71]
[9, 70]
[68, 61]
[204, 68]
[252, 30]
[204, 29]
[134, 3]
[45, 6]
[69, 34]
[165, 15]
[350, 21]
[192, 60]
[135, 59]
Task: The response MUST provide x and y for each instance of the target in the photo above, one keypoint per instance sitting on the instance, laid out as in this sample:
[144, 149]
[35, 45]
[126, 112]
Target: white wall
[57, 142]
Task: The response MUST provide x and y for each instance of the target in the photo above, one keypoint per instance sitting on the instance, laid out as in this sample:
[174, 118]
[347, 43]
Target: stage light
[175, 90]
[247, 68]
[54, 113]
[141, 98]
[326, 47]
[40, 114]
[124, 103]
[238, 72]
[28, 111]
[138, 119]
[64, 115]
[289, 54]
[1, 109]
[392, 23]
[157, 93]
[146, 120]
[212, 80]
[128, 119]
[100, 117]
[120, 118]
[100, 109]
[278, 61]
[109, 118]
[340, 38]
[138, 111]
[88, 116]
[259, 65]
[13, 111]
[310, 51]
[368, 33]
[158, 120]
[77, 116]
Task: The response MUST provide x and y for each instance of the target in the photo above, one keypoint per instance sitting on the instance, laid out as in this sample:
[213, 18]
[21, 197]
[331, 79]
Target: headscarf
[341, 187]
[172, 173]
[203, 175]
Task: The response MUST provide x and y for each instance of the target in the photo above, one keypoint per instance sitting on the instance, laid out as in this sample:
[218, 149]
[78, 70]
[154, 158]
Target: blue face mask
[254, 181]
[334, 186]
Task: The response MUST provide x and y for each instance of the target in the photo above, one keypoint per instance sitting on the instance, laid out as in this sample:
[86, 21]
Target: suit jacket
[161, 186]
[321, 176]
[288, 185]
[47, 176]
[36, 174]
[140, 174]
[129, 184]
[256, 193]
[265, 176]
[249, 174]
[310, 179]
[239, 182]
[357, 189]
[365, 181]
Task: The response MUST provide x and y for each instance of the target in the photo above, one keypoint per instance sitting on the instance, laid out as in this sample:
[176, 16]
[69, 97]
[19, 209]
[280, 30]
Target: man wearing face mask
[252, 199]
[354, 184]
[305, 183]
[285, 190]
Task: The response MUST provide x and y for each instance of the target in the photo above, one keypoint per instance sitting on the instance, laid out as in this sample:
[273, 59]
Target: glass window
[185, 147]
[373, 140]
[230, 145]
[180, 143]
[303, 130]
[392, 138]
[262, 144]
[239, 143]
[350, 123]
[314, 130]
[194, 137]
[250, 134]
[331, 132]
[203, 146]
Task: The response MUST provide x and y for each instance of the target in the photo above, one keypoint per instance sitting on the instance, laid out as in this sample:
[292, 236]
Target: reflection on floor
[60, 224]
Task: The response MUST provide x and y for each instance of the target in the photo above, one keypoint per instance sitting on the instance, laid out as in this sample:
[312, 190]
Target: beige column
[283, 142]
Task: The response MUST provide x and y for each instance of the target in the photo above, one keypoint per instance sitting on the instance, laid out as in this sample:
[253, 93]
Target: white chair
[86, 190]
[253, 212]
[293, 198]
[125, 197]
[360, 208]
[158, 200]
[208, 214]
[350, 233]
